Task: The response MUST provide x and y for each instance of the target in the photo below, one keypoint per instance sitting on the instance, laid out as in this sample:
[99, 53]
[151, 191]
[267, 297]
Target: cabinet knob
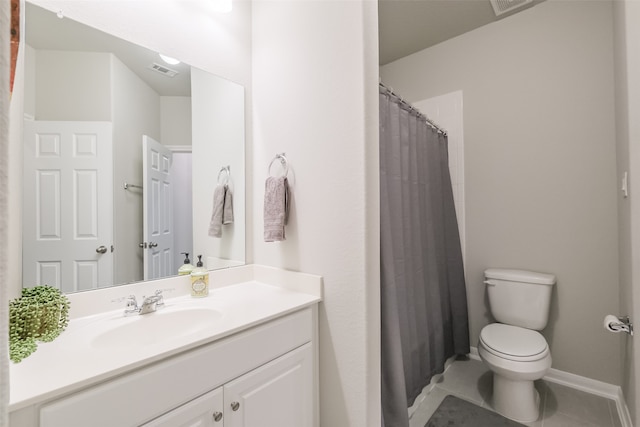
[235, 406]
[217, 416]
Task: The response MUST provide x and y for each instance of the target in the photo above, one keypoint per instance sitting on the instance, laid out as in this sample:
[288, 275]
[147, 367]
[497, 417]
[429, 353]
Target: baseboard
[585, 384]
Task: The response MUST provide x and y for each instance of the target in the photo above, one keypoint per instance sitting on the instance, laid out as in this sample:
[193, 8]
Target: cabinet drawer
[139, 396]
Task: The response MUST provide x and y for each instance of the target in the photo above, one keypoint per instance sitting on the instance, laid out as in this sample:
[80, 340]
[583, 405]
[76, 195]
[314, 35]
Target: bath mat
[455, 412]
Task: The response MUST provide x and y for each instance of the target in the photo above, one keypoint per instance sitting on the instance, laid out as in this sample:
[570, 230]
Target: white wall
[540, 164]
[182, 207]
[136, 112]
[186, 30]
[175, 126]
[315, 98]
[29, 85]
[627, 32]
[72, 86]
[218, 141]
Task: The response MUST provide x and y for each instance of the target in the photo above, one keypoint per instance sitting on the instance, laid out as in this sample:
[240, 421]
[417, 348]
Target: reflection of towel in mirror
[222, 210]
[277, 199]
[227, 211]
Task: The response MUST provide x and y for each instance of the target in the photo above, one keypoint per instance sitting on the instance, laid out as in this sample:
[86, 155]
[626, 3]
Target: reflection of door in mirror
[67, 214]
[157, 210]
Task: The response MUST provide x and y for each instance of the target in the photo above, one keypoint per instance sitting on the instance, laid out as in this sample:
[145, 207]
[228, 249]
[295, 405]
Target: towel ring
[283, 162]
[226, 169]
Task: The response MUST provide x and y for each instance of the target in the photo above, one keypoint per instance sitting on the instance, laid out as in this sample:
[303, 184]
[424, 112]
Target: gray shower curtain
[423, 296]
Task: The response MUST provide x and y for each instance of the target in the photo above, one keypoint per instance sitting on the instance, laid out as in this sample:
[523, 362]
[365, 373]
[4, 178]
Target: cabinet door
[205, 411]
[278, 394]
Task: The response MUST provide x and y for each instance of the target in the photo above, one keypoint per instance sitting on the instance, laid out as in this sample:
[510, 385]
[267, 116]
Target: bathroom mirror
[94, 213]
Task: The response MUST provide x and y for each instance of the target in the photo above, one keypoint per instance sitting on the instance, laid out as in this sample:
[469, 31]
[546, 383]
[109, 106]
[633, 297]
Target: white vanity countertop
[74, 361]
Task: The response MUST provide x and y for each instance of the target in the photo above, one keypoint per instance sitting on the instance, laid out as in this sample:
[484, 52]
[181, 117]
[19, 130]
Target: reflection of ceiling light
[222, 6]
[169, 60]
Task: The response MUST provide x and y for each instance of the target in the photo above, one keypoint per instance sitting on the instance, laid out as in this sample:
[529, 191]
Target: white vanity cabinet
[205, 411]
[277, 394]
[260, 377]
[274, 395]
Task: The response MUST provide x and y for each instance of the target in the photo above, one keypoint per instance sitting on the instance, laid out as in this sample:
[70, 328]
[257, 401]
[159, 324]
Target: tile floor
[561, 406]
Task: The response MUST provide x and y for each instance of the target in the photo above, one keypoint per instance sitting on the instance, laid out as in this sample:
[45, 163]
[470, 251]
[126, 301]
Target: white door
[67, 205]
[157, 209]
[205, 411]
[278, 394]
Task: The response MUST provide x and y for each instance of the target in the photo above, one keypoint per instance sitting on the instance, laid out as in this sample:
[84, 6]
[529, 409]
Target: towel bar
[283, 162]
[226, 169]
[126, 186]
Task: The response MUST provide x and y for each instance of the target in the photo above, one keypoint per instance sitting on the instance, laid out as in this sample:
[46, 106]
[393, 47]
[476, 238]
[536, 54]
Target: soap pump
[186, 268]
[199, 280]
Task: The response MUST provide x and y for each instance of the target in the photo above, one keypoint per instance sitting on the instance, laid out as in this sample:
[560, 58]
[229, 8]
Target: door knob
[143, 245]
[101, 249]
[235, 406]
[217, 416]
[152, 244]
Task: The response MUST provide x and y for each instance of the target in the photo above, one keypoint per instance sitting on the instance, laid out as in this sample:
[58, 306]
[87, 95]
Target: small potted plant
[41, 314]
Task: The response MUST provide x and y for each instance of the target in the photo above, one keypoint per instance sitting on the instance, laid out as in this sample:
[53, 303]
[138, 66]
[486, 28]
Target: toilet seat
[513, 342]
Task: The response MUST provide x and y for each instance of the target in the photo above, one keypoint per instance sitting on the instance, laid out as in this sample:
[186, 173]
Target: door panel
[68, 204]
[158, 210]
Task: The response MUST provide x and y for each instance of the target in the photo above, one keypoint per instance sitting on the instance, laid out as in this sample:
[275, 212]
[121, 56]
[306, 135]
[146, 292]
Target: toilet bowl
[517, 357]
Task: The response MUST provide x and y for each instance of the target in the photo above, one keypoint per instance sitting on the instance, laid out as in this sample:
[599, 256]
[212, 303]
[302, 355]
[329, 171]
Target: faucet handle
[160, 299]
[132, 302]
[131, 305]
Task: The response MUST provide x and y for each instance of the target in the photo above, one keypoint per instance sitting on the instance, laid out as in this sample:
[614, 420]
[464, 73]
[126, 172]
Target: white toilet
[512, 349]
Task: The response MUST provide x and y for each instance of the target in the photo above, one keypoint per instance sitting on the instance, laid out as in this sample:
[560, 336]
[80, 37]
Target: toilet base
[515, 399]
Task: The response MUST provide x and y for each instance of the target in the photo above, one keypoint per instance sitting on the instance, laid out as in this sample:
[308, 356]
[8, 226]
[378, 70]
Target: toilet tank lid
[520, 276]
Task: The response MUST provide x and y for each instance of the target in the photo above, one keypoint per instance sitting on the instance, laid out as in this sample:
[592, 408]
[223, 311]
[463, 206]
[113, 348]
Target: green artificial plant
[41, 314]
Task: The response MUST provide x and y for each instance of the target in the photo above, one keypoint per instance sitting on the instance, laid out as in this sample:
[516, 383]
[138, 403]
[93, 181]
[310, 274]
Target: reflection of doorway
[67, 205]
[182, 204]
[157, 207]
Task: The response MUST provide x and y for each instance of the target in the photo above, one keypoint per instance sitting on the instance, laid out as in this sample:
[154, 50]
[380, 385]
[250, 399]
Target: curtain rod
[420, 114]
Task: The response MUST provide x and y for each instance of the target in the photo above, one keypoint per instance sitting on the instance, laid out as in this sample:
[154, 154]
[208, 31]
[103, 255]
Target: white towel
[277, 199]
[222, 212]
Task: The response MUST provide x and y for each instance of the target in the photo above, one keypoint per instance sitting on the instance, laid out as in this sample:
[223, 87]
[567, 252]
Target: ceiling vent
[163, 70]
[500, 7]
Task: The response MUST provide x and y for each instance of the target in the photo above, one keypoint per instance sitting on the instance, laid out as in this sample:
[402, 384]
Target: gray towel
[277, 199]
[222, 210]
[227, 210]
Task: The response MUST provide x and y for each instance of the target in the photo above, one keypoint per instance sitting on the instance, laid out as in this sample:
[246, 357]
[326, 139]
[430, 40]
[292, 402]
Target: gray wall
[540, 164]
[627, 57]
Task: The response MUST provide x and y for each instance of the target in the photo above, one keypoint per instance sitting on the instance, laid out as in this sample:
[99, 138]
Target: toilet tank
[519, 298]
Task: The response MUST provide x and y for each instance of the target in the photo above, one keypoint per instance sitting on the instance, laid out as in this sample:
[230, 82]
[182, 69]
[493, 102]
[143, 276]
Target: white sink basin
[157, 327]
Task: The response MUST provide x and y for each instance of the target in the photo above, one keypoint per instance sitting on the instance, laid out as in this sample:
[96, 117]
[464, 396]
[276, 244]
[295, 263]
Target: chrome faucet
[149, 304]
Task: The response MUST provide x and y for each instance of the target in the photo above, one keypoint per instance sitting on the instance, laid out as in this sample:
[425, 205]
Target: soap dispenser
[199, 280]
[186, 268]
